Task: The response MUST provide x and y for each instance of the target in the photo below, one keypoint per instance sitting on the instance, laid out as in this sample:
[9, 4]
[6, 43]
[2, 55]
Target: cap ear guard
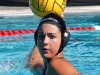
[66, 38]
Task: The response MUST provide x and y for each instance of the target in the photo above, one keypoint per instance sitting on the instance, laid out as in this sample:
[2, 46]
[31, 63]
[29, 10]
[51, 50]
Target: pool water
[82, 50]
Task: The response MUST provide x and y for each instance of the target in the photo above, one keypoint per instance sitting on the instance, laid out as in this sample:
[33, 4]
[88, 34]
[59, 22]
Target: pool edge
[19, 11]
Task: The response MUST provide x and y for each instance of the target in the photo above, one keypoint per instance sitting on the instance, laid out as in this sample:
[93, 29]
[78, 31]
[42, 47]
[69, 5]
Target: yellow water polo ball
[43, 7]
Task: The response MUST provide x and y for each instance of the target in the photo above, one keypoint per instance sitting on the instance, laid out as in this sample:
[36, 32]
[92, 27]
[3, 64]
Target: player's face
[49, 40]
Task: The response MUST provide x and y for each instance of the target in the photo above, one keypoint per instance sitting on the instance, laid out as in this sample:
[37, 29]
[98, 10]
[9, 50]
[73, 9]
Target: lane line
[28, 31]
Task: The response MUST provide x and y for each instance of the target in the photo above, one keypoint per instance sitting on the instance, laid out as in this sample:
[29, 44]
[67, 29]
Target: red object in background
[28, 31]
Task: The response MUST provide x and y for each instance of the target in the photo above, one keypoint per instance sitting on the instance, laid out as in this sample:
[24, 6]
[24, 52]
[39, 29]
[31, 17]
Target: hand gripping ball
[43, 7]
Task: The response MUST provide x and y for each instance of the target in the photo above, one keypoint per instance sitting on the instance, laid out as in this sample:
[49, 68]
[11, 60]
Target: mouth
[45, 50]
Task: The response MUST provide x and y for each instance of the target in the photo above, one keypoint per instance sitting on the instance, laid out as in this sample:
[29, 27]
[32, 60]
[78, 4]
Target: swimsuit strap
[44, 71]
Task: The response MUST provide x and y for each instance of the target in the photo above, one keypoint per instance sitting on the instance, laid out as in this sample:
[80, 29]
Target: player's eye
[41, 36]
[51, 36]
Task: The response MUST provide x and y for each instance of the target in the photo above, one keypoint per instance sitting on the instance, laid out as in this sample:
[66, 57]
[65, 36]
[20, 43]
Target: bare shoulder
[63, 67]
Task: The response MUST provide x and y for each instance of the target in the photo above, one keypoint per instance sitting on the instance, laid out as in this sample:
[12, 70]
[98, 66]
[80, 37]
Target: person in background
[50, 38]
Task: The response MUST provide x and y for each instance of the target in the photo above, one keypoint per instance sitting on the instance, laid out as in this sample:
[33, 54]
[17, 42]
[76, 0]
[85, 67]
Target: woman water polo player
[35, 61]
[51, 37]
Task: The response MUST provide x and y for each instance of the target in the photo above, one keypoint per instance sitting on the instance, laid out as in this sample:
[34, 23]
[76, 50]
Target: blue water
[83, 50]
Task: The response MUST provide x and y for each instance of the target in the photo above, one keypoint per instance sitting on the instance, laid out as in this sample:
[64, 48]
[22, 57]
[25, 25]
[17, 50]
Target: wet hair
[55, 20]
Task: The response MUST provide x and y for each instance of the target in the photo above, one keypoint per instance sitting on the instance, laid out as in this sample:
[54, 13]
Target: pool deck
[17, 11]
